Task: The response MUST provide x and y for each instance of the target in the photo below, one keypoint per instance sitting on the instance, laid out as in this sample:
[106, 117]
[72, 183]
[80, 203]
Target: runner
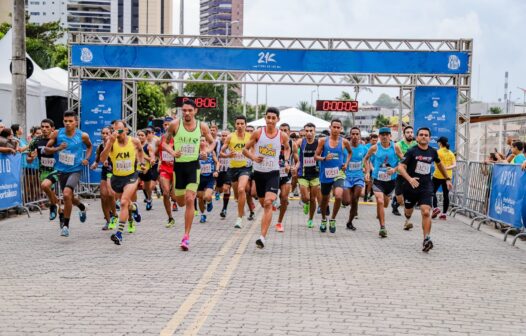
[308, 172]
[125, 152]
[206, 180]
[354, 177]
[223, 179]
[147, 175]
[153, 145]
[187, 133]
[416, 169]
[285, 175]
[382, 158]
[373, 140]
[332, 166]
[166, 176]
[251, 185]
[70, 143]
[217, 148]
[107, 195]
[239, 172]
[404, 145]
[267, 142]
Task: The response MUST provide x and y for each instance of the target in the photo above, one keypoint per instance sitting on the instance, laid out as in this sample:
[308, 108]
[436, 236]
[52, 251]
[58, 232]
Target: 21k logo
[266, 57]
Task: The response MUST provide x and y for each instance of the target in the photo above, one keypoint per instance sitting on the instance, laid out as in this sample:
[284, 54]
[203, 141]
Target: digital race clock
[201, 102]
[337, 105]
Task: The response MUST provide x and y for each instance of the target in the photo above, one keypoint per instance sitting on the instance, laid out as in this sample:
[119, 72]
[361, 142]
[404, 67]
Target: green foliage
[381, 121]
[150, 101]
[304, 106]
[495, 110]
[357, 81]
[384, 100]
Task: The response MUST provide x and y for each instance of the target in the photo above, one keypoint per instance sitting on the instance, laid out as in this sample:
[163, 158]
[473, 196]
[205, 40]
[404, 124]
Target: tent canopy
[296, 119]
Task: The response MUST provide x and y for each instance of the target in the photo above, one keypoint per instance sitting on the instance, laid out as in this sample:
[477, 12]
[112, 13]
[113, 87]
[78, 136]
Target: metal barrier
[32, 195]
[458, 195]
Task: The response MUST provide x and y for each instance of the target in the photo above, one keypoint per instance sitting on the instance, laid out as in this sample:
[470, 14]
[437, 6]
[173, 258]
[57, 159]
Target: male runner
[285, 176]
[125, 152]
[383, 159]
[149, 175]
[209, 172]
[354, 176]
[267, 142]
[214, 130]
[166, 176]
[373, 140]
[404, 145]
[308, 172]
[251, 185]
[239, 172]
[416, 169]
[70, 143]
[223, 179]
[332, 166]
[186, 133]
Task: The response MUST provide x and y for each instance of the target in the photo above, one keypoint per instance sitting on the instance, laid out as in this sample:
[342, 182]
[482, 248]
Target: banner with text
[101, 103]
[10, 186]
[506, 199]
[436, 108]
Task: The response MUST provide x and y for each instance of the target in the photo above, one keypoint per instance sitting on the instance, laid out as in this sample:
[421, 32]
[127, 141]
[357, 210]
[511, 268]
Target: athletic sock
[121, 226]
[81, 206]
[262, 239]
[66, 222]
[226, 198]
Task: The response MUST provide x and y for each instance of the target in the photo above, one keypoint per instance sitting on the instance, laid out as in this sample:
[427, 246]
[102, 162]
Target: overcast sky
[497, 27]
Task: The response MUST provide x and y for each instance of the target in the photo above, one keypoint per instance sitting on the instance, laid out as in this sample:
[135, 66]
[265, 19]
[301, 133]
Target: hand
[215, 174]
[94, 166]
[143, 167]
[449, 185]
[62, 146]
[106, 164]
[329, 156]
[414, 182]
[85, 162]
[177, 154]
[232, 155]
[203, 155]
[294, 170]
[367, 177]
[391, 171]
[113, 137]
[152, 161]
[258, 159]
[287, 167]
[344, 167]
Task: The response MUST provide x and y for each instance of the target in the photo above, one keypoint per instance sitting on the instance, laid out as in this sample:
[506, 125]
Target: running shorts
[399, 185]
[309, 181]
[68, 180]
[119, 182]
[222, 179]
[327, 187]
[49, 175]
[351, 182]
[266, 182]
[418, 197]
[186, 176]
[385, 187]
[236, 173]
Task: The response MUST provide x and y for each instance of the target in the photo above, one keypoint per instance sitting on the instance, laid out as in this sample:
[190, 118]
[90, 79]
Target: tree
[384, 100]
[150, 101]
[304, 106]
[381, 121]
[495, 110]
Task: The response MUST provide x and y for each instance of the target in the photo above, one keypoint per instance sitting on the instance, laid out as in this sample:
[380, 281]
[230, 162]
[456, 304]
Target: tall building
[91, 15]
[155, 16]
[42, 11]
[221, 17]
[6, 8]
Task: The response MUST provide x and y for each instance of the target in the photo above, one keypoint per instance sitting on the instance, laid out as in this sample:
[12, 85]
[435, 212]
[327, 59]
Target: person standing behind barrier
[416, 169]
[517, 156]
[69, 144]
[8, 144]
[448, 160]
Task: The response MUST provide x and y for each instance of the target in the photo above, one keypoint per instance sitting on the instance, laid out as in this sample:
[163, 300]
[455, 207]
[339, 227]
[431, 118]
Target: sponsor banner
[101, 103]
[275, 60]
[436, 108]
[506, 199]
[10, 175]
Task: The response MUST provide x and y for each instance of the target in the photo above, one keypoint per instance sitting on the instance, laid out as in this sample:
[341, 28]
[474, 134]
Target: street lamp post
[311, 102]
[225, 86]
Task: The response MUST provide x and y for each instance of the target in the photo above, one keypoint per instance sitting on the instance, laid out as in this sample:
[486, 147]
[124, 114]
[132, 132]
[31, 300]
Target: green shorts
[309, 182]
[49, 175]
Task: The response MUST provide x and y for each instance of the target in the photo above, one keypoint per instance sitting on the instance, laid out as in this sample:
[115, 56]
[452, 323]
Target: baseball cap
[384, 130]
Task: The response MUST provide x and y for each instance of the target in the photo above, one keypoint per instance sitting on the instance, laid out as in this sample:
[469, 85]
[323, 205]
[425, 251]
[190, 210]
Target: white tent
[296, 119]
[39, 86]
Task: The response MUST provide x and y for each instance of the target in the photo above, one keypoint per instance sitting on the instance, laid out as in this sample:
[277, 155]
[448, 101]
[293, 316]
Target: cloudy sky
[497, 27]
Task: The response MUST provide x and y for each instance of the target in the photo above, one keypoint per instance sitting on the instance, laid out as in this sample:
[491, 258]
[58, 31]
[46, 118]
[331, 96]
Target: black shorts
[104, 173]
[154, 171]
[327, 187]
[266, 182]
[148, 176]
[418, 197]
[68, 180]
[222, 179]
[206, 182]
[186, 176]
[399, 185]
[385, 187]
[119, 182]
[284, 180]
[236, 173]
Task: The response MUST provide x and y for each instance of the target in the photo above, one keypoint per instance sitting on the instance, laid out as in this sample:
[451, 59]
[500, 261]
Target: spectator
[2, 126]
[18, 135]
[8, 144]
[150, 121]
[448, 160]
[517, 156]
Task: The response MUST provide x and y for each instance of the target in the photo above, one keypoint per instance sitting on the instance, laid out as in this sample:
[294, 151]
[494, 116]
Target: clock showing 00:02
[337, 105]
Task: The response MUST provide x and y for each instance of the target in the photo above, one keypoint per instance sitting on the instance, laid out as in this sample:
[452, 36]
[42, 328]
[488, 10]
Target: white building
[366, 115]
[42, 11]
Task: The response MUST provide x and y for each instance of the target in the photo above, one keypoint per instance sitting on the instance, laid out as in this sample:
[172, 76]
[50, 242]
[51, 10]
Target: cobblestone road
[304, 283]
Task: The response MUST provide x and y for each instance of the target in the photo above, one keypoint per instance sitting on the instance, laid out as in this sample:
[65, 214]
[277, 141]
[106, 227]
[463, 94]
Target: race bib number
[423, 168]
[66, 158]
[331, 172]
[239, 156]
[123, 165]
[166, 157]
[383, 176]
[267, 163]
[355, 165]
[282, 172]
[249, 163]
[188, 149]
[309, 161]
[206, 168]
[47, 162]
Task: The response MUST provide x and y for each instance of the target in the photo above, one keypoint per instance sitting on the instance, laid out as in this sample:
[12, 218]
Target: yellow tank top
[236, 146]
[123, 158]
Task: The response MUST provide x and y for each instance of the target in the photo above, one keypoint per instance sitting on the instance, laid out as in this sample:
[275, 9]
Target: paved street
[303, 283]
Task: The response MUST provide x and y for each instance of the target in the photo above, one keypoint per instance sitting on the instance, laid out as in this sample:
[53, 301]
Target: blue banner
[275, 60]
[101, 103]
[436, 108]
[506, 199]
[10, 186]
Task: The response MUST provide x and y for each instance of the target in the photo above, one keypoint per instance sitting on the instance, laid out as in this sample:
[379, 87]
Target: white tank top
[269, 149]
[225, 162]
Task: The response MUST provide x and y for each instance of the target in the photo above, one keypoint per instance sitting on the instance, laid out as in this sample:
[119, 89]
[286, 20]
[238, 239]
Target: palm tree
[357, 81]
[304, 106]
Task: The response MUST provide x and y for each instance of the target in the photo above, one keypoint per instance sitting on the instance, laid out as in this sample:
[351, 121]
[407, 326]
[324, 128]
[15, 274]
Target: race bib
[47, 162]
[66, 158]
[239, 156]
[206, 168]
[423, 168]
[123, 165]
[355, 165]
[166, 157]
[309, 161]
[282, 172]
[187, 149]
[267, 163]
[331, 172]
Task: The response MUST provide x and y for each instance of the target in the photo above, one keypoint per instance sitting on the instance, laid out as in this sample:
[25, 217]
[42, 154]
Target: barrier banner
[10, 177]
[101, 103]
[506, 200]
[436, 108]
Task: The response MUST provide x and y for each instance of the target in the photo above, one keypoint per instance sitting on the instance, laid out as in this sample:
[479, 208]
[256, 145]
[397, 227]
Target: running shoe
[217, 196]
[117, 238]
[318, 211]
[436, 212]
[105, 226]
[408, 225]
[149, 205]
[113, 223]
[350, 226]
[306, 208]
[171, 223]
[427, 245]
[185, 243]
[158, 193]
[52, 212]
[209, 206]
[251, 216]
[442, 216]
[382, 232]
[274, 206]
[64, 232]
[136, 215]
[82, 216]
[118, 204]
[203, 219]
[239, 222]
[328, 211]
[332, 226]
[131, 226]
[223, 213]
[396, 212]
[309, 224]
[323, 225]
[260, 243]
[279, 227]
[174, 207]
[196, 213]
[296, 194]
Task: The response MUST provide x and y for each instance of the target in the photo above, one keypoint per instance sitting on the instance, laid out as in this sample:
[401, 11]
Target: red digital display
[201, 102]
[337, 105]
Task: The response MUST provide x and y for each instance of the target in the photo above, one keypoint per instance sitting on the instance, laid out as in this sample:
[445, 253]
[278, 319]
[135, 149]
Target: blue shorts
[351, 182]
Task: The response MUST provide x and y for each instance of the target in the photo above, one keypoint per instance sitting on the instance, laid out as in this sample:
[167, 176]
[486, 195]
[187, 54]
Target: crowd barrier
[10, 183]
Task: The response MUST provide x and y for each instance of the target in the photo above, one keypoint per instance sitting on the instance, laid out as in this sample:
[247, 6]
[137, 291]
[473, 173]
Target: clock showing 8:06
[337, 105]
[200, 102]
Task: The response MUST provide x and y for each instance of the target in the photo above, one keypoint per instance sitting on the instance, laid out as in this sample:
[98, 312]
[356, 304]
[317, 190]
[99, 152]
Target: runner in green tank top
[186, 133]
[404, 145]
